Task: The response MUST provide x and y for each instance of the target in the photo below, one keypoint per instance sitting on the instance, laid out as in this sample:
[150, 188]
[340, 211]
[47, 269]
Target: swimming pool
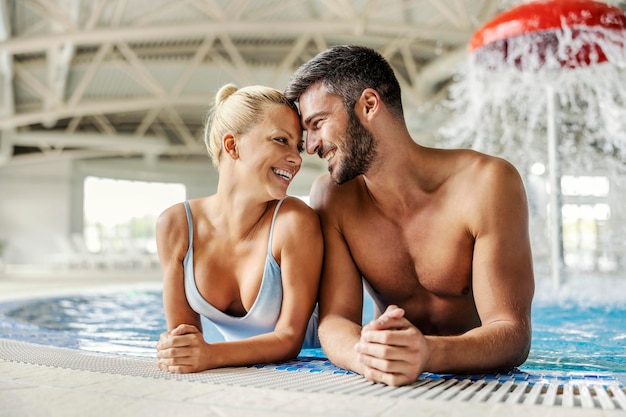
[574, 331]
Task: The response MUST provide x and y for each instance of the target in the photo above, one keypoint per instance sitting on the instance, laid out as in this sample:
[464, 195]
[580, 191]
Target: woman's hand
[183, 350]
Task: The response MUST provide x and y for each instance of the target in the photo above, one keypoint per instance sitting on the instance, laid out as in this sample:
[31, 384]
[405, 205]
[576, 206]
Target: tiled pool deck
[44, 381]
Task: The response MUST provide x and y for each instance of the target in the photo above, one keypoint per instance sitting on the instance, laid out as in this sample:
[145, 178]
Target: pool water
[125, 322]
[567, 335]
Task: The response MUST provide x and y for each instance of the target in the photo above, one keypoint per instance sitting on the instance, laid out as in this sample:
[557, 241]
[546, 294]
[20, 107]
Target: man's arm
[394, 352]
[502, 277]
[341, 288]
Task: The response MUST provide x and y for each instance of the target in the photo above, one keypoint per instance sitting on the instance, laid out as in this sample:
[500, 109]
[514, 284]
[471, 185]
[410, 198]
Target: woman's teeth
[285, 174]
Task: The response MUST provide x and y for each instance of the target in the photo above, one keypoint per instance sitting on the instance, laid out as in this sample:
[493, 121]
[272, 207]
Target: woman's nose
[295, 158]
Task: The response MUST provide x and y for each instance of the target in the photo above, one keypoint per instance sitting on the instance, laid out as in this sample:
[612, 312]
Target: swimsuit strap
[269, 243]
[189, 222]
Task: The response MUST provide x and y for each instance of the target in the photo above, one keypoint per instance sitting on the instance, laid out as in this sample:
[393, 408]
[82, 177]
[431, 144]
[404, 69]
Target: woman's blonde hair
[237, 111]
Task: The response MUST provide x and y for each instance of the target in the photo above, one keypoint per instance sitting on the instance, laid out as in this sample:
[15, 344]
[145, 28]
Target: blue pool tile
[322, 365]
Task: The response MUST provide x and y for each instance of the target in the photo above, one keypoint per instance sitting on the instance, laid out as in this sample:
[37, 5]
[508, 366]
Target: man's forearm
[338, 336]
[493, 347]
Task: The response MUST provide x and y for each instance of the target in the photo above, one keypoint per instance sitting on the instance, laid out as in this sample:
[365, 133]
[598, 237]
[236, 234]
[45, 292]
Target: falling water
[499, 99]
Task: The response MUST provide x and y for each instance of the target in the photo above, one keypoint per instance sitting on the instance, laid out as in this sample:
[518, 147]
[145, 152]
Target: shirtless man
[439, 237]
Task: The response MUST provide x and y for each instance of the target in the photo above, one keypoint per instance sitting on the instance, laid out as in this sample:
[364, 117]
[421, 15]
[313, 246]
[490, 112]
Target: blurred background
[102, 104]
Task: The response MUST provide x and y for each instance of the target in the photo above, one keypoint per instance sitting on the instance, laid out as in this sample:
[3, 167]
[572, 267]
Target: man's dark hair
[346, 71]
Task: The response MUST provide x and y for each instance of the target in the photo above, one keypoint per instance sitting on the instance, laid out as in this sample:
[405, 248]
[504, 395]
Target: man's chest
[421, 255]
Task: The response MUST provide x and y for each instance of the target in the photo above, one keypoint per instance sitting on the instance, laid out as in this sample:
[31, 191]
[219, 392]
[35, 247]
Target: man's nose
[312, 143]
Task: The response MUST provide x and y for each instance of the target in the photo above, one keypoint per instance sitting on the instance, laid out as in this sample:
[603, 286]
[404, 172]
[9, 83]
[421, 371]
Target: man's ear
[230, 145]
[368, 103]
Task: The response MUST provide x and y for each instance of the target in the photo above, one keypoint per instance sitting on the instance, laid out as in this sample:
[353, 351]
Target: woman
[248, 257]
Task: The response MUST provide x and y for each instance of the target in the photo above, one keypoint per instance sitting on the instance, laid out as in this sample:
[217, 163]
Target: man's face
[335, 135]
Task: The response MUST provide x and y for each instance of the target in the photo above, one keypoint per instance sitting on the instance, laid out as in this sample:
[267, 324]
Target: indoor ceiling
[107, 78]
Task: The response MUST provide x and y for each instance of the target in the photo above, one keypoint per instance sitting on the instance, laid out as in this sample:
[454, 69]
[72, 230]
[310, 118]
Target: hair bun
[225, 92]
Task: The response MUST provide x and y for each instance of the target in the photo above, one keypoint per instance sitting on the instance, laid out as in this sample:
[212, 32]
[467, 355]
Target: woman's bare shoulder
[173, 217]
[295, 210]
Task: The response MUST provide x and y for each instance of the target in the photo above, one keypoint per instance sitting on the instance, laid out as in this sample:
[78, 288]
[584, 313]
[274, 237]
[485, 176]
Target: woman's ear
[230, 145]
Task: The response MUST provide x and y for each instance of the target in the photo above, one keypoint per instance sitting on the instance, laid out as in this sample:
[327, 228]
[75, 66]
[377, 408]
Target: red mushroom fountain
[570, 31]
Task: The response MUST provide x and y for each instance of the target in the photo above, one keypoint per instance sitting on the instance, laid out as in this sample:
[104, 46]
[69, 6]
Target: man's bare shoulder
[326, 194]
[475, 166]
[490, 186]
[481, 181]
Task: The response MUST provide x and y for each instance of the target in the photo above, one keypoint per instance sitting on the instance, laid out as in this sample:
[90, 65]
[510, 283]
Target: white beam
[147, 121]
[211, 9]
[122, 105]
[103, 124]
[93, 67]
[139, 72]
[340, 8]
[195, 62]
[236, 9]
[179, 126]
[298, 46]
[202, 29]
[38, 158]
[6, 148]
[7, 105]
[447, 12]
[237, 59]
[96, 12]
[58, 60]
[59, 57]
[117, 142]
[33, 83]
[442, 68]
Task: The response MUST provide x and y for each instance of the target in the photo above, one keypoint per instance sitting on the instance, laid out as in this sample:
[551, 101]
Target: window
[585, 186]
[586, 214]
[120, 215]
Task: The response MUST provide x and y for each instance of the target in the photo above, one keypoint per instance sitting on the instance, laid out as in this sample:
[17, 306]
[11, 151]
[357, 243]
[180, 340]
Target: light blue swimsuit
[263, 314]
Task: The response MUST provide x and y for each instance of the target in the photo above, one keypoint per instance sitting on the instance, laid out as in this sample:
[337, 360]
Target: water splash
[499, 99]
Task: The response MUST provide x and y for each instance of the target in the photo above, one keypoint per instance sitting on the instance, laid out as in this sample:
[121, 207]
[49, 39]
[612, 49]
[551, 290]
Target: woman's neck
[235, 212]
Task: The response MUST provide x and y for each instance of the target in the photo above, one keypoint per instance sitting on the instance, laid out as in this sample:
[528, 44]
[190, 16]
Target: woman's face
[271, 150]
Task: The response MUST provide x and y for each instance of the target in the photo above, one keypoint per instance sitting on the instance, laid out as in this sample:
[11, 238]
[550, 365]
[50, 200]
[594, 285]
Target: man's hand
[182, 350]
[392, 350]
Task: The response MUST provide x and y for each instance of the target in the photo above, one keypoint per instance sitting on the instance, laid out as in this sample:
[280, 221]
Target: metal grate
[600, 391]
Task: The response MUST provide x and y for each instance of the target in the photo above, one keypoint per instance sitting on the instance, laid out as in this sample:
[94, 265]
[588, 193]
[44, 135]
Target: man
[438, 237]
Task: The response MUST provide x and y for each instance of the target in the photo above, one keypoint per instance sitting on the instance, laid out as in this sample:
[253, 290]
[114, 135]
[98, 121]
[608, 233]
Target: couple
[439, 238]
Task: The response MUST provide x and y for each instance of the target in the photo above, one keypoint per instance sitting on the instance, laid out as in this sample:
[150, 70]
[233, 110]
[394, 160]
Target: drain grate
[311, 375]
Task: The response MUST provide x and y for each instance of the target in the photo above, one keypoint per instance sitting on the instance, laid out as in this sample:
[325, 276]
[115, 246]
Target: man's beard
[359, 149]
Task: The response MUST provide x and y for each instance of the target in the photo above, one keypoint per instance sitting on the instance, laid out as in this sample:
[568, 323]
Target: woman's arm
[299, 249]
[172, 244]
[297, 246]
